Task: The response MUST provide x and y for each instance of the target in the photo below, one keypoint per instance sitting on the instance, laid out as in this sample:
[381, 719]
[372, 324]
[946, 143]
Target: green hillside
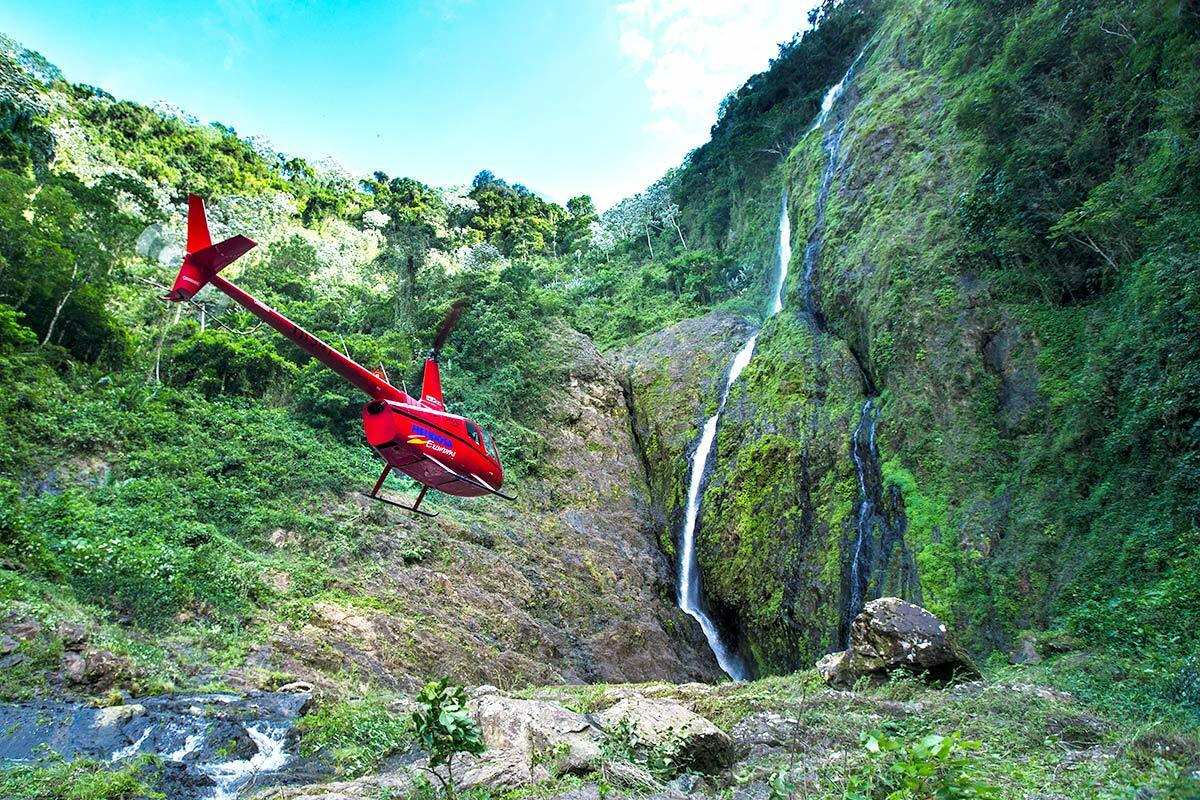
[982, 393]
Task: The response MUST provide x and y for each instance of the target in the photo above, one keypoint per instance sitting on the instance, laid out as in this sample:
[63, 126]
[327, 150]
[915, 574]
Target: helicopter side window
[474, 431]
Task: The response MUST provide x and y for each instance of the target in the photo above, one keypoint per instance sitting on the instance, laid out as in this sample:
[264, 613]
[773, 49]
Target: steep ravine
[797, 529]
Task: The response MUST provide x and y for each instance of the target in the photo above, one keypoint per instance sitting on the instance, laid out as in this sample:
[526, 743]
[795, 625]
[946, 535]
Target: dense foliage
[1010, 254]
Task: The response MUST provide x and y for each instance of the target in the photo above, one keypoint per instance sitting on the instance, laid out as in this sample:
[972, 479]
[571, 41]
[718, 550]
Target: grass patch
[82, 779]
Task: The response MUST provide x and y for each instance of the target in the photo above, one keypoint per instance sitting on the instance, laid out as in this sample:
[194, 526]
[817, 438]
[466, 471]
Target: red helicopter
[416, 436]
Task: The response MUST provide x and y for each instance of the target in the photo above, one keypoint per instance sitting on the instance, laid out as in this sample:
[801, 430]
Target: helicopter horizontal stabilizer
[203, 259]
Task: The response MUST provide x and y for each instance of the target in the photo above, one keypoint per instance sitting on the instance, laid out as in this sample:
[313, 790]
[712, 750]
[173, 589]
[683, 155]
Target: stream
[212, 746]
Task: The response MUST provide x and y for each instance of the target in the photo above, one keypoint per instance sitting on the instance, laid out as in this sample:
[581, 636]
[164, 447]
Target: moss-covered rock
[674, 379]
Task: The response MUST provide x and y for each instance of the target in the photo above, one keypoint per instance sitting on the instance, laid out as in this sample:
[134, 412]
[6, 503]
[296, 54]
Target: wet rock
[8, 645]
[13, 660]
[176, 781]
[890, 634]
[702, 745]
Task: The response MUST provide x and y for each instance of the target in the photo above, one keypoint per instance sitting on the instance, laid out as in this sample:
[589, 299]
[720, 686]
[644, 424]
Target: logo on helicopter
[422, 436]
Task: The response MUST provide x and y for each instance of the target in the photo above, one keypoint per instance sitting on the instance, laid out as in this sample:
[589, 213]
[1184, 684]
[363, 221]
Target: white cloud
[691, 53]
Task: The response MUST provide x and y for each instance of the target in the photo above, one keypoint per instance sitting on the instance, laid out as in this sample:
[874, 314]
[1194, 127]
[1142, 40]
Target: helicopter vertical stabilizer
[203, 259]
[431, 386]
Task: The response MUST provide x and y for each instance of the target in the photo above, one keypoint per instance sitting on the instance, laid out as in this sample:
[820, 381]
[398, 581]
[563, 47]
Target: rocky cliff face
[566, 585]
[957, 286]
[673, 380]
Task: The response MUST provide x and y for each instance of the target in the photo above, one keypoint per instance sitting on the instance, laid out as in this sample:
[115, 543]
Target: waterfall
[834, 93]
[690, 592]
[689, 573]
[231, 776]
[866, 457]
[863, 451]
[689, 570]
[812, 248]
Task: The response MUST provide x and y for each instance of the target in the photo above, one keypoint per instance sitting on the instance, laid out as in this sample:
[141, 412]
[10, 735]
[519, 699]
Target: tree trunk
[677, 230]
[58, 309]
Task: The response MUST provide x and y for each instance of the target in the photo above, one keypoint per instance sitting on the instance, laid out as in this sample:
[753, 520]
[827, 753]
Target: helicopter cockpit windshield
[491, 446]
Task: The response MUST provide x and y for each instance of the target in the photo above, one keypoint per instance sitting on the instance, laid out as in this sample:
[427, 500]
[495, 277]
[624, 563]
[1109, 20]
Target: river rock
[538, 730]
[702, 745]
[117, 715]
[74, 635]
[889, 634]
[96, 670]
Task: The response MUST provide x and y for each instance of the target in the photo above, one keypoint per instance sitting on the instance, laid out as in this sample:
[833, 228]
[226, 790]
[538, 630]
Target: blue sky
[565, 96]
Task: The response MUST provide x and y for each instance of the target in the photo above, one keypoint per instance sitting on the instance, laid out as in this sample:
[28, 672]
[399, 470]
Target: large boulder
[538, 731]
[96, 670]
[890, 634]
[701, 745]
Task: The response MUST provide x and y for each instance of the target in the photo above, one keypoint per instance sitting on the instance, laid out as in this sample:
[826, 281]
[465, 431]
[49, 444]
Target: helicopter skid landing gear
[415, 507]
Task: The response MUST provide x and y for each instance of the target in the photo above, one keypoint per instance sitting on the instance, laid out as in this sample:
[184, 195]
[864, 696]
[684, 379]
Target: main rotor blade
[447, 325]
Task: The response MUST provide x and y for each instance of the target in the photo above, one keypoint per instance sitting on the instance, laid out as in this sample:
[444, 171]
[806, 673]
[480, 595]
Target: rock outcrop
[696, 742]
[539, 732]
[890, 634]
[674, 379]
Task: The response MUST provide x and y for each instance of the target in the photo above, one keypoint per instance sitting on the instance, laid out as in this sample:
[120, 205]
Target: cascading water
[863, 452]
[866, 457]
[212, 747]
[834, 93]
[812, 248]
[231, 776]
[690, 599]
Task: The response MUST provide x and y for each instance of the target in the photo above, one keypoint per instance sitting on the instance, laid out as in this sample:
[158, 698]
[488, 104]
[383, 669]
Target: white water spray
[231, 776]
[689, 572]
[132, 749]
[833, 94]
[862, 450]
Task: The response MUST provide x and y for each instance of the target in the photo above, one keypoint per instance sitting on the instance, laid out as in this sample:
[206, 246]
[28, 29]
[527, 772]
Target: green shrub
[357, 735]
[75, 780]
[622, 742]
[445, 728]
[932, 767]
